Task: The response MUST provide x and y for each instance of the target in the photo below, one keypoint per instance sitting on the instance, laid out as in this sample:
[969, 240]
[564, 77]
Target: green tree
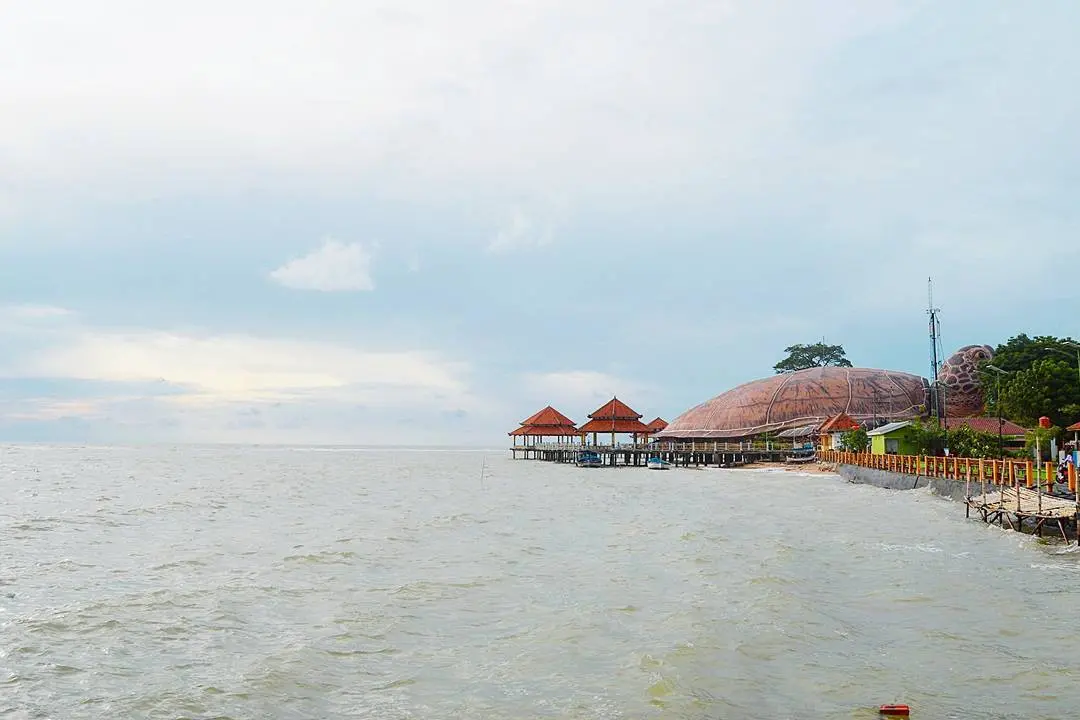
[961, 441]
[965, 442]
[854, 440]
[1039, 438]
[801, 357]
[1044, 389]
[927, 438]
[1040, 379]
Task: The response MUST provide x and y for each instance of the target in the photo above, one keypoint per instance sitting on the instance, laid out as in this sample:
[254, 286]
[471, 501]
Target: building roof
[549, 416]
[890, 427]
[615, 409]
[548, 422]
[839, 423]
[988, 425]
[1075, 427]
[607, 425]
[804, 431]
[548, 431]
[657, 424]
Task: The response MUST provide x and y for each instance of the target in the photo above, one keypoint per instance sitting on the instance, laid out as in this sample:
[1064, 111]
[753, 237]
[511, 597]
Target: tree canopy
[801, 357]
[1040, 378]
[962, 441]
[855, 440]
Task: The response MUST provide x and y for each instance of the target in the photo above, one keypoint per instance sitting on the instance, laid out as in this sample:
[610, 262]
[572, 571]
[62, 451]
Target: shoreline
[814, 468]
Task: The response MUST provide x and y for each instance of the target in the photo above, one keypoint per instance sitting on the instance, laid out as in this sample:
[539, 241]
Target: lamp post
[997, 401]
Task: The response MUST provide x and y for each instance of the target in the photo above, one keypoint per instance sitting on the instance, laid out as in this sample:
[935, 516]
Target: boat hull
[589, 459]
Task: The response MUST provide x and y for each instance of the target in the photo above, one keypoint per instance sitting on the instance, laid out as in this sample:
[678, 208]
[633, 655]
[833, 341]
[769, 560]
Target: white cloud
[582, 391]
[30, 312]
[241, 368]
[335, 267]
[153, 385]
[595, 96]
[520, 231]
[49, 409]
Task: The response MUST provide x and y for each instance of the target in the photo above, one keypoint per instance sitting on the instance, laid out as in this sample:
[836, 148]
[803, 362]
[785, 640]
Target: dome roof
[806, 397]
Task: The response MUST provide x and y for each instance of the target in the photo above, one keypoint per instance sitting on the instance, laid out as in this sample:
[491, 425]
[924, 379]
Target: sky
[419, 222]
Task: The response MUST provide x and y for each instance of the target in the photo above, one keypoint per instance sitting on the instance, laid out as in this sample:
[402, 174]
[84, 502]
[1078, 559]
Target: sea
[272, 582]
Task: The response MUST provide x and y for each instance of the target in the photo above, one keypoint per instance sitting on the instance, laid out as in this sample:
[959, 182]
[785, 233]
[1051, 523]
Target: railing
[991, 472]
[702, 446]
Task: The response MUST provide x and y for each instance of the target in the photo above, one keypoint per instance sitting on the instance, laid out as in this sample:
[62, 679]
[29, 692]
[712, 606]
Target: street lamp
[997, 401]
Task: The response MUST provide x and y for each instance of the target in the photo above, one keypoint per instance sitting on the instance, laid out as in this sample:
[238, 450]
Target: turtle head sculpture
[960, 377]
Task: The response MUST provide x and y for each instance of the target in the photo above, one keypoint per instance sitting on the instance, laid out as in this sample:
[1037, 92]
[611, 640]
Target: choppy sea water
[305, 583]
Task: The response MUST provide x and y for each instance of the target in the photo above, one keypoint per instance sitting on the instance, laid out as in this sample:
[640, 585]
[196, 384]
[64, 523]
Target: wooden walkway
[1008, 504]
[716, 454]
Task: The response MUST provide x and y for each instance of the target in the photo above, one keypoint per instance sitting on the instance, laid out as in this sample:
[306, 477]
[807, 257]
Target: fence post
[1029, 476]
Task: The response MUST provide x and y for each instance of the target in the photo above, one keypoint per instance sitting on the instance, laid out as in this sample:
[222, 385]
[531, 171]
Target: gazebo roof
[548, 431]
[615, 416]
[549, 416]
[615, 409]
[548, 422]
[1075, 427]
[614, 425]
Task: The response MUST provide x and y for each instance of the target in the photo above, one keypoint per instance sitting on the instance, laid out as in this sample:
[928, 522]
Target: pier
[679, 454]
[551, 436]
[1014, 493]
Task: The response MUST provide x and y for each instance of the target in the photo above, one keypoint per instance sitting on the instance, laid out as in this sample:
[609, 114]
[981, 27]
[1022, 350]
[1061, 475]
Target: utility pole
[935, 332]
[997, 401]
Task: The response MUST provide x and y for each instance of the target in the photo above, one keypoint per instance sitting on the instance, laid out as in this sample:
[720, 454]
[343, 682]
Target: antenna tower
[937, 399]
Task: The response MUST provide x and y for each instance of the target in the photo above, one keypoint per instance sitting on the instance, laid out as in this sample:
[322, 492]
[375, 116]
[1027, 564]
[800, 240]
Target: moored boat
[588, 458]
[655, 463]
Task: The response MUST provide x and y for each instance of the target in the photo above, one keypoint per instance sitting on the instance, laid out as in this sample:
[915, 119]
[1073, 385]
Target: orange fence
[994, 472]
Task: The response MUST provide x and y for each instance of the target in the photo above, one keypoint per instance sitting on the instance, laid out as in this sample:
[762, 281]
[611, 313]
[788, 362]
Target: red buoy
[894, 710]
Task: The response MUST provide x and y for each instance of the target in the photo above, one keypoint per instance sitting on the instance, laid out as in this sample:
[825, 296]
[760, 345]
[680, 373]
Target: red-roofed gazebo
[617, 418]
[656, 426]
[548, 423]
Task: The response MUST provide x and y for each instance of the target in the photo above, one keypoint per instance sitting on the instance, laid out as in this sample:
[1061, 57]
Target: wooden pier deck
[1008, 492]
[1019, 504]
[696, 454]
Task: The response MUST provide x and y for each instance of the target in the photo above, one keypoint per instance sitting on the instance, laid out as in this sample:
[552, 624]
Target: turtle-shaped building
[809, 397]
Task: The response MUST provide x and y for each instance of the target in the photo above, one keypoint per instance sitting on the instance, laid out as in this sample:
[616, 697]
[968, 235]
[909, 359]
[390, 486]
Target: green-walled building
[893, 439]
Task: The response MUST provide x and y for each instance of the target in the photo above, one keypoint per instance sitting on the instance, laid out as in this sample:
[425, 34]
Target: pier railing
[992, 472]
[701, 446]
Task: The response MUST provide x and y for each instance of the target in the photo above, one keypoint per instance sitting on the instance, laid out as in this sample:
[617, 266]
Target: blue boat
[655, 463]
[588, 458]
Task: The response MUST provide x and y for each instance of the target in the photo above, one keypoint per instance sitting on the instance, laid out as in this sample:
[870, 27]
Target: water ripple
[288, 583]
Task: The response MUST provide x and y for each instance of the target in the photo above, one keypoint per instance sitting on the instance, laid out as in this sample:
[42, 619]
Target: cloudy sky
[353, 221]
